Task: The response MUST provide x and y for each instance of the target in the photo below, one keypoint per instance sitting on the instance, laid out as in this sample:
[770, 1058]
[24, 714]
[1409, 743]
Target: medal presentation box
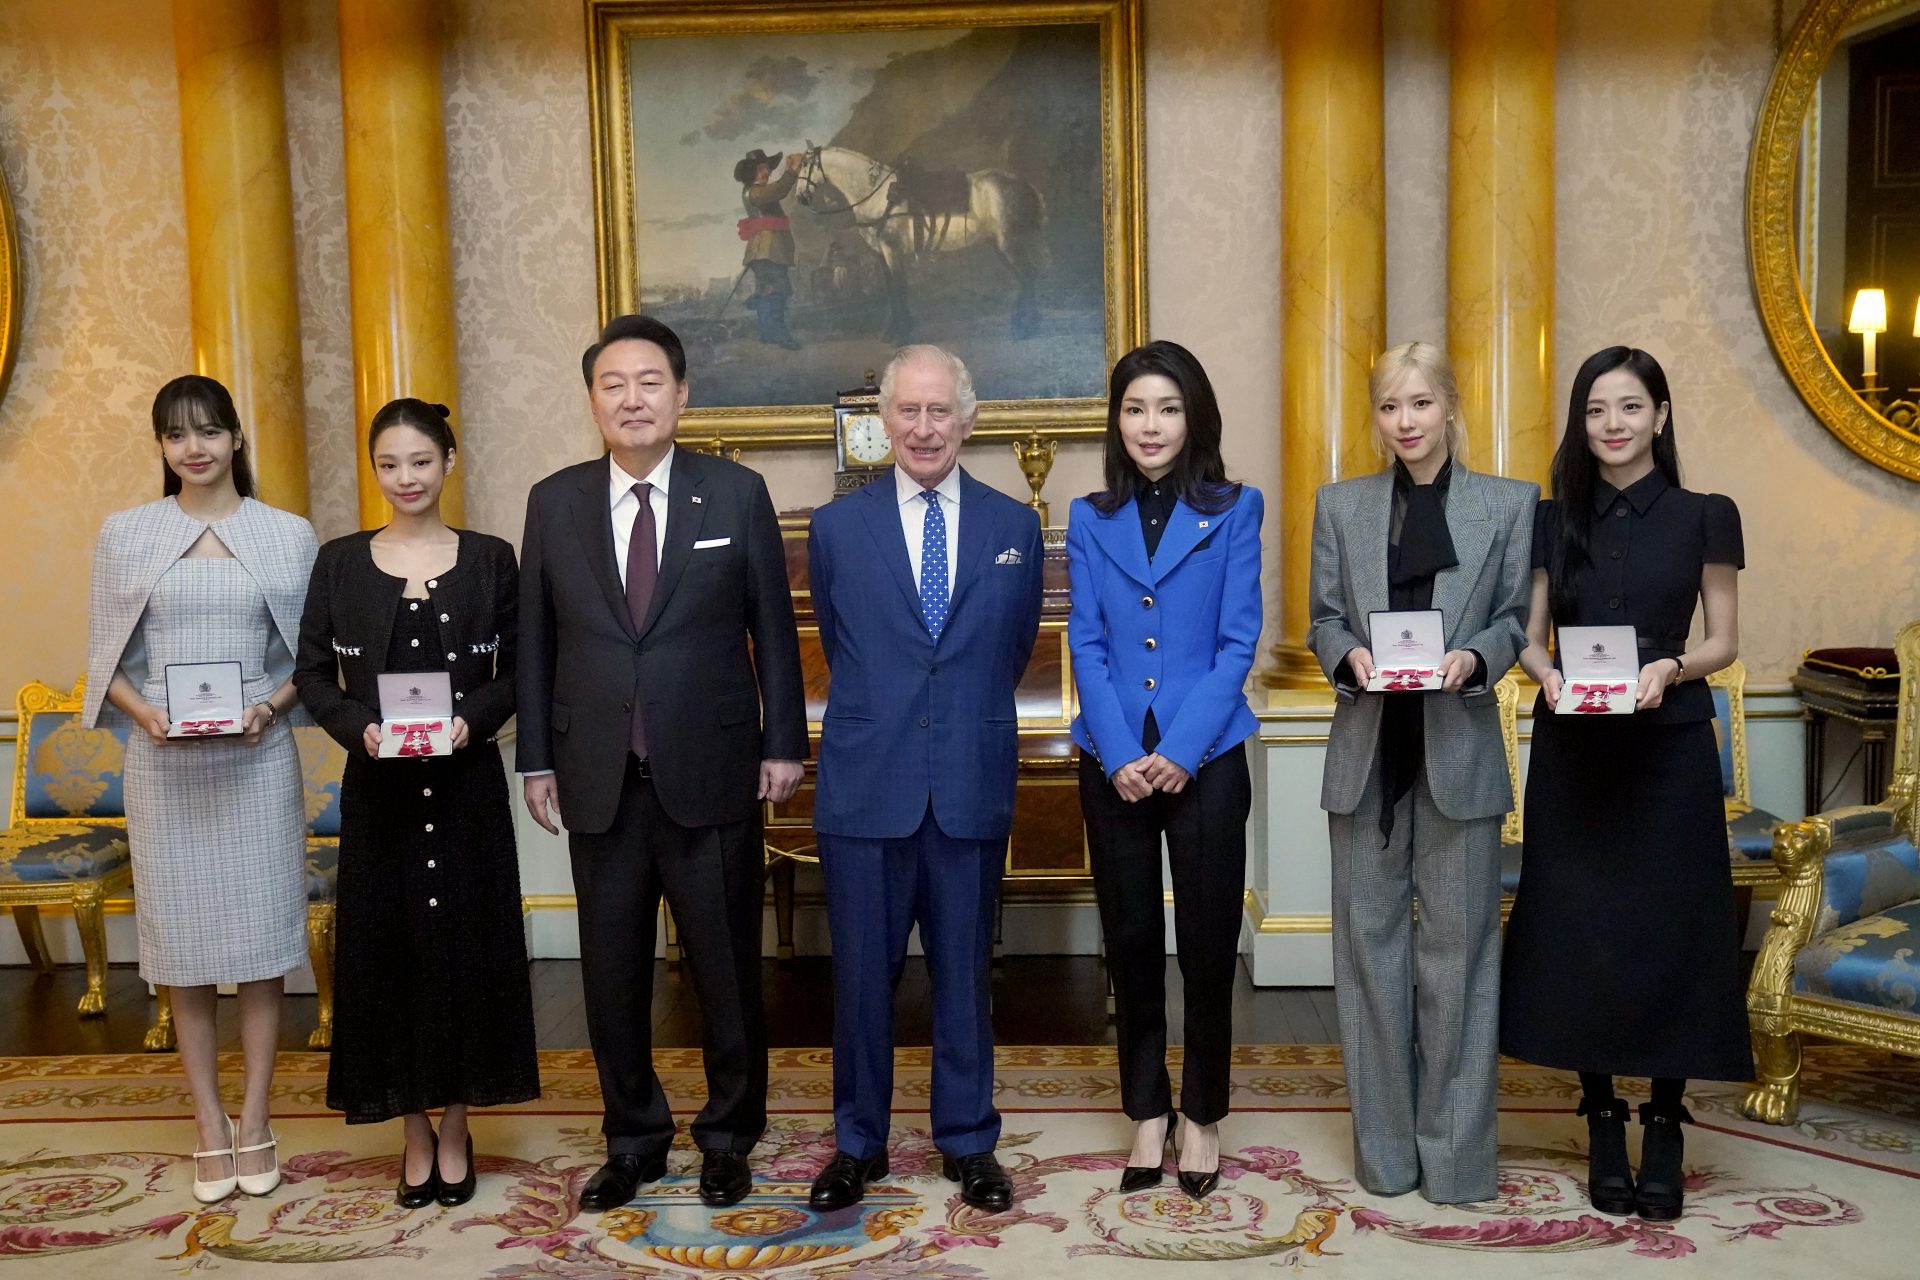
[1407, 648]
[204, 700]
[1599, 671]
[416, 715]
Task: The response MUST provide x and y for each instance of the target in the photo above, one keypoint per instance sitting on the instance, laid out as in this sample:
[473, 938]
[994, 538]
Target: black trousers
[1205, 827]
[713, 880]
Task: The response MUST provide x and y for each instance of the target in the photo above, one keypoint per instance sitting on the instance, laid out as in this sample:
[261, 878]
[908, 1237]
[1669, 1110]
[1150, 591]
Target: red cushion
[1861, 664]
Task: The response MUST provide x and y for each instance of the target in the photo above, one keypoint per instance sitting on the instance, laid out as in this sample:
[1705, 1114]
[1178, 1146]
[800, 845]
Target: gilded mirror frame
[1773, 252]
[10, 290]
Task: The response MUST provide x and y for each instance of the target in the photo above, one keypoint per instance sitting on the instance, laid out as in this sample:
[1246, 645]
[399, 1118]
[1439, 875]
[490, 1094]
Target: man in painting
[769, 237]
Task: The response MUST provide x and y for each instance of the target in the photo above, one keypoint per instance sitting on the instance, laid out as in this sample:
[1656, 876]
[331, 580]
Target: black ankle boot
[1609, 1175]
[1662, 1183]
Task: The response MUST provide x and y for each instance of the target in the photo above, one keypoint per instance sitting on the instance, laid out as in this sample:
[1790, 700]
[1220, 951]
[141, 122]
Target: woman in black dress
[1623, 954]
[433, 1007]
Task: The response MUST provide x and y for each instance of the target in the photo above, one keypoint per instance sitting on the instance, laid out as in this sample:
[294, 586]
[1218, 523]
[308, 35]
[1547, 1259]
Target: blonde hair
[1391, 370]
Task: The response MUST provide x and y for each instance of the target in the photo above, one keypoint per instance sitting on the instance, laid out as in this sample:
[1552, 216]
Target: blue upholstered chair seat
[323, 869]
[52, 853]
[1874, 961]
[1750, 836]
[1510, 869]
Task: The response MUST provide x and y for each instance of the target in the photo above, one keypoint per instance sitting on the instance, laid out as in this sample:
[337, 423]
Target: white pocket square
[1010, 556]
[704, 543]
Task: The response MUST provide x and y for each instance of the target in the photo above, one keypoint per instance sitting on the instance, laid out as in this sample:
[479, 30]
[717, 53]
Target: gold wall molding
[1773, 254]
[12, 296]
[1500, 232]
[399, 242]
[1333, 278]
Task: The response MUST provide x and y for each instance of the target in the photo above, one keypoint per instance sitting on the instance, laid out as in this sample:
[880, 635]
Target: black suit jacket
[349, 620]
[703, 690]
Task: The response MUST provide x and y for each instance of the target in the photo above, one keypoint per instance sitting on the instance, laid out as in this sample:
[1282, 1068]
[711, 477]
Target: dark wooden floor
[1037, 1000]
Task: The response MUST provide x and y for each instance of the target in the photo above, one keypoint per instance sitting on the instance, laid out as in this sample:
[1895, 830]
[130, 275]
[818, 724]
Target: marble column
[1500, 238]
[399, 249]
[239, 213]
[1333, 292]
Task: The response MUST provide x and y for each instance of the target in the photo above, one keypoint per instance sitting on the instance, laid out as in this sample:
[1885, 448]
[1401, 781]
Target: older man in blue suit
[926, 584]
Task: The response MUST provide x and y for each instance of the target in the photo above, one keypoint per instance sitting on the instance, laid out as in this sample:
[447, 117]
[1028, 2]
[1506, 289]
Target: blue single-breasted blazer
[1176, 633]
[910, 722]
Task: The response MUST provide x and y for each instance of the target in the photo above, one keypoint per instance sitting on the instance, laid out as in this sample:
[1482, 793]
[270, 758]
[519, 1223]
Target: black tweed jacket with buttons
[349, 619]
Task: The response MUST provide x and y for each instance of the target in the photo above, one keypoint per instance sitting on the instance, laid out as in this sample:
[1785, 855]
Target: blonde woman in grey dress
[217, 826]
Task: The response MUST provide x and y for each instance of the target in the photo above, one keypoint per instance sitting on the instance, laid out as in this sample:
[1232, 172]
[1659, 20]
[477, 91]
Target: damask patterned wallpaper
[1654, 106]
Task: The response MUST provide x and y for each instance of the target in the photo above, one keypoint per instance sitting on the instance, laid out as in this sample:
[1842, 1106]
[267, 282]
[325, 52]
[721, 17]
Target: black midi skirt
[1623, 953]
[433, 1002]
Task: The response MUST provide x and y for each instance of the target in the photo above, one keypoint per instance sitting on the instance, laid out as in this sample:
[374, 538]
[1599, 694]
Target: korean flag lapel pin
[1203, 524]
[694, 499]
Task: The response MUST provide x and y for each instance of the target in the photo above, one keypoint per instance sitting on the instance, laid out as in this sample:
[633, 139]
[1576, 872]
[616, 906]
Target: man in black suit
[644, 711]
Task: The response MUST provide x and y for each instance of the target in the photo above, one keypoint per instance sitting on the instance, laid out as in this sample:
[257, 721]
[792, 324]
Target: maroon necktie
[642, 569]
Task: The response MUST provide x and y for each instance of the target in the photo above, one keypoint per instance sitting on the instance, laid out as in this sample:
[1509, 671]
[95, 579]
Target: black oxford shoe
[724, 1178]
[618, 1179]
[844, 1181]
[983, 1183]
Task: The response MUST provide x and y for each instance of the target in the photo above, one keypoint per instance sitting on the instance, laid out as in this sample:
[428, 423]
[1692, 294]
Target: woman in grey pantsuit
[1416, 783]
[217, 826]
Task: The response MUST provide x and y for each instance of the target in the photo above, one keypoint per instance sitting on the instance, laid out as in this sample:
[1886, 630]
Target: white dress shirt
[913, 515]
[626, 506]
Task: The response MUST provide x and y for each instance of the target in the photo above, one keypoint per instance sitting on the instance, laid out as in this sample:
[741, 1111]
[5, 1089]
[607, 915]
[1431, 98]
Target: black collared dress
[1623, 953]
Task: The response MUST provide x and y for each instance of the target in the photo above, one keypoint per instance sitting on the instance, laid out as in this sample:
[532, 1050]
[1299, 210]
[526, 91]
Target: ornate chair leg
[673, 935]
[160, 1035]
[26, 918]
[89, 901]
[783, 872]
[320, 956]
[1776, 1099]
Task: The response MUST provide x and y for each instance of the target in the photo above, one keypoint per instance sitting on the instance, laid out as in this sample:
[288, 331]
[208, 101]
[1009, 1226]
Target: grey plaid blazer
[1483, 600]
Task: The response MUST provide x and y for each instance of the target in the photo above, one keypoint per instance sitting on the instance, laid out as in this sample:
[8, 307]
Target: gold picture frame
[1773, 209]
[1110, 220]
[11, 295]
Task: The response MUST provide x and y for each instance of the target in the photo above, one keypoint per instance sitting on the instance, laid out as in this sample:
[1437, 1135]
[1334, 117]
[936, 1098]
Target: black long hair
[428, 418]
[1575, 469]
[190, 401]
[1198, 477]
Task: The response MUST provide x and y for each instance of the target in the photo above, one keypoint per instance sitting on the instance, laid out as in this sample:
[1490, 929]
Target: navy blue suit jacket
[910, 722]
[1175, 634]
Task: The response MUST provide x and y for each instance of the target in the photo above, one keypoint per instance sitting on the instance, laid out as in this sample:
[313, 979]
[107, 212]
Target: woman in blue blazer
[1165, 566]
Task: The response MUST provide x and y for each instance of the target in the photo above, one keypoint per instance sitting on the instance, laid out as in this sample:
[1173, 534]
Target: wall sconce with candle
[1869, 320]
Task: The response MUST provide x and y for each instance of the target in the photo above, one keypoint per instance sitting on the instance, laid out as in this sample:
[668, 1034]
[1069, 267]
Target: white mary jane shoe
[220, 1188]
[258, 1184]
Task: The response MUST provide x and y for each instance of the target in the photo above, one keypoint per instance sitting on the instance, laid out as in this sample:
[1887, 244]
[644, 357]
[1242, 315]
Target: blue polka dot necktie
[933, 565]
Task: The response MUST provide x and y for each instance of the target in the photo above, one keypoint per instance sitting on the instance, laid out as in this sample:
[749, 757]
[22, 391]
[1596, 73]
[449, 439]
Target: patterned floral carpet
[93, 1182]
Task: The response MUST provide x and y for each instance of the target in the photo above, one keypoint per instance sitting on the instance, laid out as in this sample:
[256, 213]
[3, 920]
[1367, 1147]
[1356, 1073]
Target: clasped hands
[1138, 779]
[1654, 679]
[1455, 668]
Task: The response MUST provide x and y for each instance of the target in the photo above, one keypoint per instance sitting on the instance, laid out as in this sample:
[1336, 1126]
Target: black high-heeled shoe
[1609, 1175]
[1199, 1183]
[1138, 1177]
[453, 1193]
[418, 1195]
[1661, 1193]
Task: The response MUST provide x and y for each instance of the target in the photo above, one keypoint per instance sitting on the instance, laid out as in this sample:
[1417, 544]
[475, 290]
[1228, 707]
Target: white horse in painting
[1002, 210]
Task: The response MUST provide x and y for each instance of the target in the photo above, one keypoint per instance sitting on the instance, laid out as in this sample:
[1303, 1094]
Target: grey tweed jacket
[1483, 601]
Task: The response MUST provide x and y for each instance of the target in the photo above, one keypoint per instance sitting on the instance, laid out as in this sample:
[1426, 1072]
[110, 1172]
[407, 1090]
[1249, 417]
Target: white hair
[965, 403]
